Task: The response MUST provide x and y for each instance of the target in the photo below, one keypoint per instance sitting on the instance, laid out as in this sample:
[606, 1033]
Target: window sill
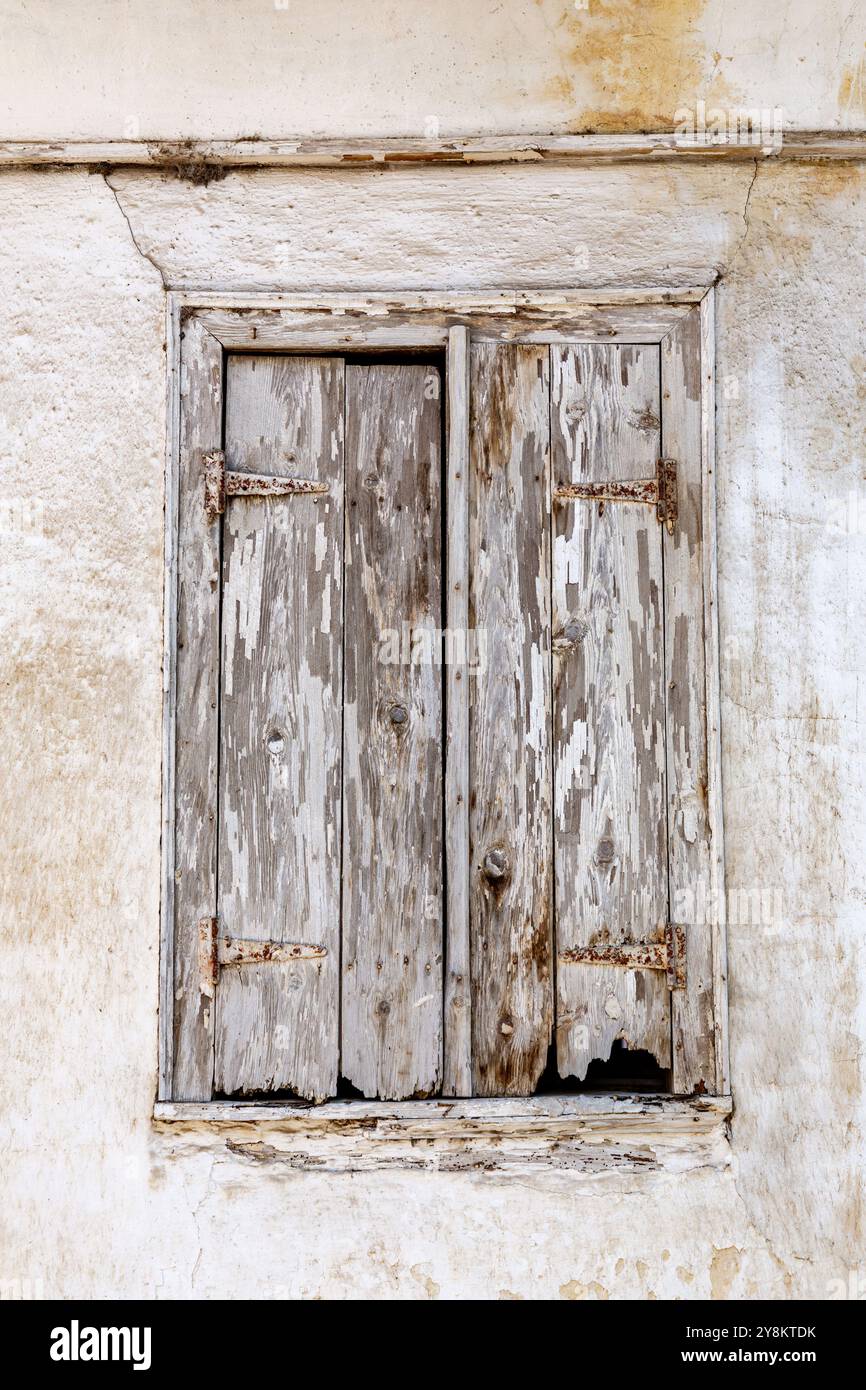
[592, 1133]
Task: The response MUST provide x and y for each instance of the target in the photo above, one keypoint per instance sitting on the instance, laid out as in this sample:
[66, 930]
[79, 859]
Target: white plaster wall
[220, 69]
[95, 1201]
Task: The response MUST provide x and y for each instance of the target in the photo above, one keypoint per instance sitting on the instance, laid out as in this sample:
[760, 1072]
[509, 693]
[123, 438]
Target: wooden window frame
[303, 323]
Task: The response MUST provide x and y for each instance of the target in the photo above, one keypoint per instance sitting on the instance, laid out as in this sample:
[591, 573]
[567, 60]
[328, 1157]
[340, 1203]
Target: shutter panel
[608, 705]
[196, 736]
[280, 758]
[510, 809]
[695, 881]
[392, 826]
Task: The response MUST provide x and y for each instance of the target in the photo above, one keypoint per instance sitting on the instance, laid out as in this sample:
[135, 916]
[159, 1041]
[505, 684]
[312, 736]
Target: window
[442, 794]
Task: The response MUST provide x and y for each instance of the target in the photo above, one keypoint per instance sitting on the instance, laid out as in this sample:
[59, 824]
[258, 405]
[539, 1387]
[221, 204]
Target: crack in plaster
[144, 254]
[746, 227]
[195, 1217]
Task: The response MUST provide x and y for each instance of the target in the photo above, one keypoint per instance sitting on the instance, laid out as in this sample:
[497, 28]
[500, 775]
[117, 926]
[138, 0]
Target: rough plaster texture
[96, 1201]
[220, 69]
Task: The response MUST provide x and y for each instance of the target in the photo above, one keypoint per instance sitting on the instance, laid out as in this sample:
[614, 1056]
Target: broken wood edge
[585, 1135]
[205, 161]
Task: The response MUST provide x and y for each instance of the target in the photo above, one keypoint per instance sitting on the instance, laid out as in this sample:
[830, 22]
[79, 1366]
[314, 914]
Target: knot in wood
[398, 714]
[573, 632]
[495, 863]
[275, 742]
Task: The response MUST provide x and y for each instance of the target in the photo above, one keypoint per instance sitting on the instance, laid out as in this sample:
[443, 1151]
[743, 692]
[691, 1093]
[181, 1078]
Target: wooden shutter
[309, 786]
[510, 808]
[280, 715]
[608, 706]
[309, 885]
[631, 825]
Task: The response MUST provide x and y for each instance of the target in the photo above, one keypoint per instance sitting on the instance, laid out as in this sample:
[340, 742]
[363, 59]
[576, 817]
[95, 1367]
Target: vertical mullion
[458, 995]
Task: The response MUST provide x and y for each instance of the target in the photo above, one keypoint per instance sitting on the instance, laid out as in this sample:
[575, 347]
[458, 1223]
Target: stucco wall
[220, 69]
[96, 1202]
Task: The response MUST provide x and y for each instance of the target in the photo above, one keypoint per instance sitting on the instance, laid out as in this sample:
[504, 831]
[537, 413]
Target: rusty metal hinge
[220, 483]
[668, 955]
[216, 951]
[659, 492]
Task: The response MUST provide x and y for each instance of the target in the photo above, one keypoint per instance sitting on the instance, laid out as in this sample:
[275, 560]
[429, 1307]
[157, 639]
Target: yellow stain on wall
[642, 59]
[852, 88]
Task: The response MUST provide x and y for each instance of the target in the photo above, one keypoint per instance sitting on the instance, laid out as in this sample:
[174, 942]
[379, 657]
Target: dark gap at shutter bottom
[626, 1069]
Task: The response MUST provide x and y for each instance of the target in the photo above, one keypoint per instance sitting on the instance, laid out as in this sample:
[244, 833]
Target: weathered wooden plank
[196, 715]
[707, 312]
[587, 1115]
[593, 1134]
[608, 705]
[457, 1077]
[280, 763]
[380, 304]
[693, 902]
[383, 323]
[169, 704]
[510, 826]
[392, 824]
[193, 157]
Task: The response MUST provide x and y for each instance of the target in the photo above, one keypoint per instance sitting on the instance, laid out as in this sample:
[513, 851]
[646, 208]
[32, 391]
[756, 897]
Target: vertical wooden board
[693, 888]
[608, 704]
[510, 809]
[718, 921]
[392, 819]
[280, 759]
[461, 658]
[196, 715]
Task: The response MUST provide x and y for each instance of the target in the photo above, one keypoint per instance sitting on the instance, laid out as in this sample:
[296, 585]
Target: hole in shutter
[626, 1069]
